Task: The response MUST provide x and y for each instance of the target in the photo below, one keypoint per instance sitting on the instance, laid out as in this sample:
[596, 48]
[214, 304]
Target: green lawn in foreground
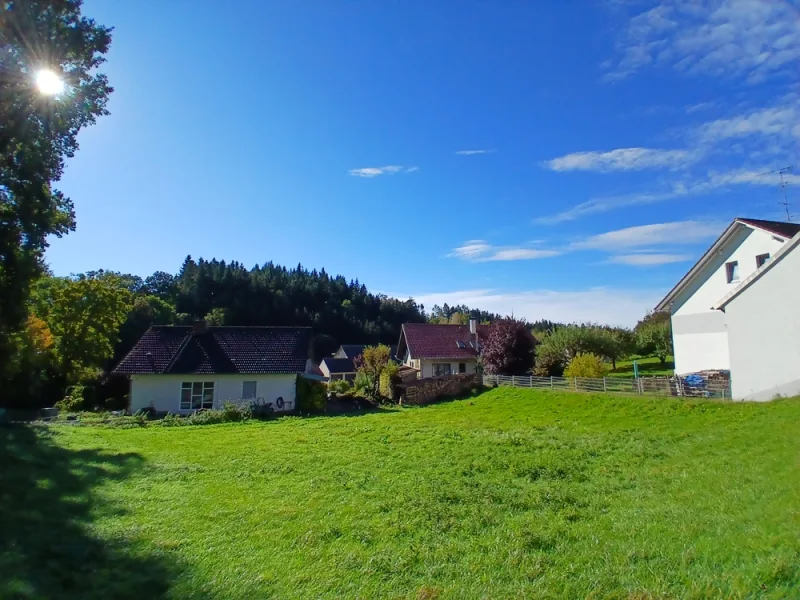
[648, 367]
[513, 494]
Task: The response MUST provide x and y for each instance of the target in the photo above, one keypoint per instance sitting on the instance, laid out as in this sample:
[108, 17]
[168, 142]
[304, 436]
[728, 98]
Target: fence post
[530, 380]
[551, 382]
[575, 383]
[513, 381]
[605, 389]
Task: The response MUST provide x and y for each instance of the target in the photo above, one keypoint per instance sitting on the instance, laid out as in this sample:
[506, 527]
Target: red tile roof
[781, 228]
[251, 350]
[426, 340]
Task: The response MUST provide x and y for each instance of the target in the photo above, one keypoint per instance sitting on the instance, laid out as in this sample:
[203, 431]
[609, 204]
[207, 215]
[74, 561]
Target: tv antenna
[782, 185]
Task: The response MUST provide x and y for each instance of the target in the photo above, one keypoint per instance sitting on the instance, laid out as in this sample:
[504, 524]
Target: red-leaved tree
[508, 349]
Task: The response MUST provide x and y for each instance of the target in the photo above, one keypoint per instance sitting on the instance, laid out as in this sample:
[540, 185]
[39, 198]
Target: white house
[435, 350]
[763, 319]
[700, 332]
[184, 369]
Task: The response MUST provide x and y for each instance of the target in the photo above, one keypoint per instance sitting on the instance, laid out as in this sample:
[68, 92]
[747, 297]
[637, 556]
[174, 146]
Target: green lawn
[648, 367]
[513, 494]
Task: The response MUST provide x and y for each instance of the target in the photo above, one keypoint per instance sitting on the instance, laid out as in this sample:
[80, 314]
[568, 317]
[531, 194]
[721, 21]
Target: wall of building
[700, 334]
[426, 366]
[163, 392]
[764, 334]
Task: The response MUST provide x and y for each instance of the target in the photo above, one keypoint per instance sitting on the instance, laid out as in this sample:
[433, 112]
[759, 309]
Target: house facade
[699, 330]
[763, 321]
[184, 369]
[438, 350]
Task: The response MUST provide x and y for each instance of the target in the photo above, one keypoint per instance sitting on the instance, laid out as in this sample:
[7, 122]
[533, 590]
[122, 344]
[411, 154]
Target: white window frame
[443, 366]
[255, 389]
[204, 386]
[732, 268]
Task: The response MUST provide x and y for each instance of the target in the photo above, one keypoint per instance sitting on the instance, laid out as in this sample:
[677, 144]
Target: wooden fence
[650, 386]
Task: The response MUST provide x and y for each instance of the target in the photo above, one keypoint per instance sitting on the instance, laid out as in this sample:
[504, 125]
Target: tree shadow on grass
[47, 506]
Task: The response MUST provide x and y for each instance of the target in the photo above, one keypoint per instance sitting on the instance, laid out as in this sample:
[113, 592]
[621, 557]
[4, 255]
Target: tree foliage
[369, 368]
[564, 343]
[655, 339]
[508, 349]
[586, 365]
[37, 133]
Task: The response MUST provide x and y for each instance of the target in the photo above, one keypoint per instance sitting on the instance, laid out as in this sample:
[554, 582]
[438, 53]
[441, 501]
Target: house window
[249, 389]
[732, 271]
[440, 369]
[462, 367]
[761, 260]
[197, 394]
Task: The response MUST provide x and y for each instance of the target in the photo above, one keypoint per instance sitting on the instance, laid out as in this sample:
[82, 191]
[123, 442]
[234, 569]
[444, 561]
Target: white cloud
[693, 108]
[375, 171]
[776, 121]
[471, 152]
[750, 39]
[603, 305]
[622, 159]
[648, 259]
[482, 251]
[674, 233]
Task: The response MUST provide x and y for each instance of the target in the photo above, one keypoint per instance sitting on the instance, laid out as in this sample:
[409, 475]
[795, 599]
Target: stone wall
[430, 389]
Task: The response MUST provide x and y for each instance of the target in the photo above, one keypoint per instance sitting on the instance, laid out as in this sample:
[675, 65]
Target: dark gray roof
[339, 365]
[782, 228]
[251, 350]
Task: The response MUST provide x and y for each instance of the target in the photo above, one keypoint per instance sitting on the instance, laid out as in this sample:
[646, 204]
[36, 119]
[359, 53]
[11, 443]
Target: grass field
[512, 494]
[648, 367]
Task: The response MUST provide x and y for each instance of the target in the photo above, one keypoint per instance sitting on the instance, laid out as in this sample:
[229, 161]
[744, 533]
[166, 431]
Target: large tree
[508, 349]
[37, 133]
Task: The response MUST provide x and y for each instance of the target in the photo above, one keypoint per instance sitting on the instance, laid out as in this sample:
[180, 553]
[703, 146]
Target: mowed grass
[648, 367]
[512, 494]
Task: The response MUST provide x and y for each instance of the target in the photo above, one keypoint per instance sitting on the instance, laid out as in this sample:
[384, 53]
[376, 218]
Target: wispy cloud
[673, 233]
[700, 106]
[622, 159]
[615, 306]
[778, 121]
[482, 251]
[648, 259]
[376, 171]
[471, 152]
[750, 39]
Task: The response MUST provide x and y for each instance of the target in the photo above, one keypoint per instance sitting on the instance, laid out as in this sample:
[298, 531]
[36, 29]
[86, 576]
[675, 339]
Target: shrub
[171, 420]
[549, 361]
[73, 401]
[311, 395]
[389, 381]
[339, 386]
[586, 365]
[232, 412]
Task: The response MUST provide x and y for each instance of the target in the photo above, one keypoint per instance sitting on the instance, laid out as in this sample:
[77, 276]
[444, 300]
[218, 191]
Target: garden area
[510, 493]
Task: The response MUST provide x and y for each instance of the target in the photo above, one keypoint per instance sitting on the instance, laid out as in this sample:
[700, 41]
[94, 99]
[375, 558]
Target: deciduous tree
[508, 349]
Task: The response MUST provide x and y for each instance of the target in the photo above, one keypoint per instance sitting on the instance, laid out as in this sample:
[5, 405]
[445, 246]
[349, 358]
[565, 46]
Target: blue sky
[561, 160]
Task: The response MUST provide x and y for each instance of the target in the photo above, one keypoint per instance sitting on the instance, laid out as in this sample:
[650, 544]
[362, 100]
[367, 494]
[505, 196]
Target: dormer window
[761, 260]
[732, 271]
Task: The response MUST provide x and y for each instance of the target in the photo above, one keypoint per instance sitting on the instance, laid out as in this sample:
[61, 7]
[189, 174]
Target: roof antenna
[782, 185]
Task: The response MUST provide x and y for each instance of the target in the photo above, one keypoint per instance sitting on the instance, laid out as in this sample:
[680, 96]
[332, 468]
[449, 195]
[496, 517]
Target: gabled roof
[339, 365]
[249, 350]
[426, 340]
[354, 350]
[778, 228]
[759, 273]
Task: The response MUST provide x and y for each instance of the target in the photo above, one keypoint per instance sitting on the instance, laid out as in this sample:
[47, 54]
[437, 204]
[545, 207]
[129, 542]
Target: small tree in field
[656, 339]
[369, 367]
[508, 349]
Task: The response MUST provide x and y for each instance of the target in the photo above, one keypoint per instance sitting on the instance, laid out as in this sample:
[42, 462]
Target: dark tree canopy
[37, 133]
[509, 348]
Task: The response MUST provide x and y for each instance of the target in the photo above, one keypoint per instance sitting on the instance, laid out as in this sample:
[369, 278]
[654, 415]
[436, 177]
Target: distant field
[513, 494]
[648, 367]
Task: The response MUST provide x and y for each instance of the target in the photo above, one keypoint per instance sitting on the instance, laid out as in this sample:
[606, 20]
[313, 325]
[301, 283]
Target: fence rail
[650, 386]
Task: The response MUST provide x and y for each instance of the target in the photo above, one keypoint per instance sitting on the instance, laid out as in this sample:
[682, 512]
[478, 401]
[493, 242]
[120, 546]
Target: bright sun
[49, 83]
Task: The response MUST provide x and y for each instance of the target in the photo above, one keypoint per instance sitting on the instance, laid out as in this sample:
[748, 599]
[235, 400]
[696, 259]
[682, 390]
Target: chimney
[200, 327]
[473, 326]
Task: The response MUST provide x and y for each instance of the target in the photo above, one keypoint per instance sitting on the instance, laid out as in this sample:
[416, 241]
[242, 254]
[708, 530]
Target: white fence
[651, 386]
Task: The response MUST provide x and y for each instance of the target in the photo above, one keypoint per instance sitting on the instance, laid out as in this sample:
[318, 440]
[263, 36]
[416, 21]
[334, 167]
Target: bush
[389, 381]
[311, 395]
[73, 401]
[232, 413]
[339, 386]
[586, 365]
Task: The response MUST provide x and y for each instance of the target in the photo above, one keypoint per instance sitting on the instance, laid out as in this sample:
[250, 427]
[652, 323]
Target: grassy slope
[648, 367]
[516, 493]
